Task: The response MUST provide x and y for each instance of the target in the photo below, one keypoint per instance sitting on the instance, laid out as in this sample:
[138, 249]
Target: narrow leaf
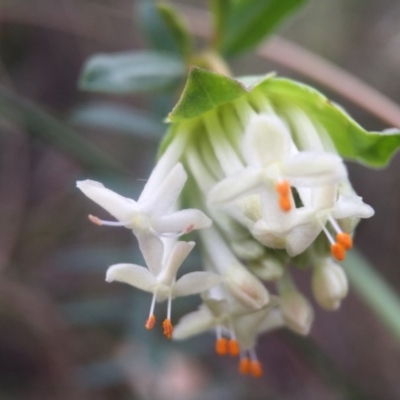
[251, 20]
[131, 72]
[118, 119]
[377, 293]
[220, 10]
[44, 126]
[177, 28]
[154, 27]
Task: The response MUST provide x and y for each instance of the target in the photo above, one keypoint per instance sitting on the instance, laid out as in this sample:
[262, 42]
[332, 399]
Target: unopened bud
[246, 288]
[267, 269]
[329, 285]
[296, 311]
[248, 249]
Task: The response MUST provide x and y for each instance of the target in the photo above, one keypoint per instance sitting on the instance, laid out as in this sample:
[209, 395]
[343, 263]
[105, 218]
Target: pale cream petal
[133, 275]
[195, 282]
[118, 206]
[243, 183]
[194, 323]
[313, 169]
[351, 206]
[152, 249]
[183, 221]
[266, 140]
[176, 257]
[166, 194]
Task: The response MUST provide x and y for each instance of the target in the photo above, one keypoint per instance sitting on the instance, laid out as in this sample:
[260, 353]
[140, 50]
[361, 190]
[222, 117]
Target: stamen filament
[97, 221]
[255, 365]
[152, 319]
[167, 325]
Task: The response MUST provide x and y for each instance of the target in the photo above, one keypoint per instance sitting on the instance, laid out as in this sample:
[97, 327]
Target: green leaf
[374, 149]
[152, 24]
[131, 72]
[377, 293]
[118, 119]
[44, 126]
[204, 91]
[177, 28]
[220, 10]
[251, 20]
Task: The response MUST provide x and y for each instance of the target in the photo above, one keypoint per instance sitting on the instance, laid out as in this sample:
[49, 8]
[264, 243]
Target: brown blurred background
[65, 333]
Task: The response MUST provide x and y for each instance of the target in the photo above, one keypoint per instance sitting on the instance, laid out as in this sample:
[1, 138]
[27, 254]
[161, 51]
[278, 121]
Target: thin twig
[306, 63]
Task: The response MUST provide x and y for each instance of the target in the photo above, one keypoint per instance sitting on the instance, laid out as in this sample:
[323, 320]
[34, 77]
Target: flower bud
[267, 269]
[247, 249]
[246, 288]
[329, 285]
[296, 311]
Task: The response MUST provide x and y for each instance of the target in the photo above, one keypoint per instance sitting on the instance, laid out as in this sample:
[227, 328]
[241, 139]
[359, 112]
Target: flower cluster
[269, 192]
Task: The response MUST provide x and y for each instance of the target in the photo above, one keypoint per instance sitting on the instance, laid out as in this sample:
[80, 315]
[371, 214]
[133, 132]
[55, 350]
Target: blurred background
[67, 334]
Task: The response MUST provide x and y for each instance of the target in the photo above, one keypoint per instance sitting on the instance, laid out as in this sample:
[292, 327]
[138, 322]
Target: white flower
[228, 319]
[153, 215]
[275, 164]
[160, 278]
[298, 229]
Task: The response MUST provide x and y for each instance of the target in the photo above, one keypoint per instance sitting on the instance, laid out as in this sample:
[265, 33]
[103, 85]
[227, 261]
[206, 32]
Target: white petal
[351, 206]
[312, 169]
[152, 249]
[266, 140]
[165, 196]
[175, 259]
[195, 282]
[245, 182]
[118, 206]
[183, 221]
[301, 237]
[194, 323]
[132, 274]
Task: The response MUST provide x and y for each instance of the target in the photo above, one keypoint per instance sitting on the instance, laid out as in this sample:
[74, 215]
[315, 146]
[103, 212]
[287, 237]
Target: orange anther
[256, 368]
[345, 240]
[221, 346]
[283, 188]
[244, 366]
[150, 322]
[338, 251]
[95, 220]
[234, 348]
[168, 328]
[285, 203]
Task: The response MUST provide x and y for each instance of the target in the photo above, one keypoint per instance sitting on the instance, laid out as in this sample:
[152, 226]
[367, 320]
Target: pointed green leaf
[204, 91]
[374, 149]
[131, 72]
[154, 27]
[251, 20]
[177, 28]
[220, 10]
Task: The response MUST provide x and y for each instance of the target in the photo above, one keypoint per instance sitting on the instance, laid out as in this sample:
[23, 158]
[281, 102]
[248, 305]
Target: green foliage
[44, 126]
[154, 27]
[131, 72]
[374, 149]
[204, 91]
[375, 291]
[220, 10]
[118, 119]
[249, 21]
[177, 28]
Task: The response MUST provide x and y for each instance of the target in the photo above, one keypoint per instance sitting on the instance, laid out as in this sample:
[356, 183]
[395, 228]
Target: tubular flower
[259, 159]
[160, 279]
